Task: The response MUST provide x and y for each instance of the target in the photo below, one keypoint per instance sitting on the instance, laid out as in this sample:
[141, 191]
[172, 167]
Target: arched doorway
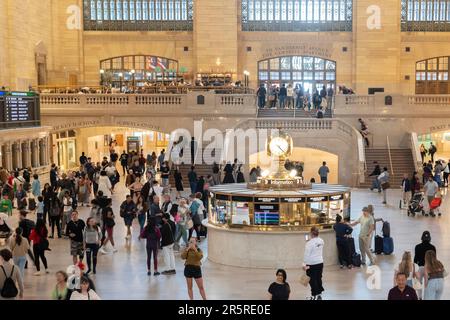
[308, 71]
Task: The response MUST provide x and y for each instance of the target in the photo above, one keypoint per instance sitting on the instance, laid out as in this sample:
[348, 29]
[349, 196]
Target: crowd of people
[289, 97]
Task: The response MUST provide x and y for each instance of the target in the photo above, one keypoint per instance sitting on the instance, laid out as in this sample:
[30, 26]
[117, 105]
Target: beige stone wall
[374, 57]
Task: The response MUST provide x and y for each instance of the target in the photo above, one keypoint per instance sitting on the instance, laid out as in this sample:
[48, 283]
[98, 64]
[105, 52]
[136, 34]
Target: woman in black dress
[228, 174]
[240, 176]
[178, 182]
[280, 290]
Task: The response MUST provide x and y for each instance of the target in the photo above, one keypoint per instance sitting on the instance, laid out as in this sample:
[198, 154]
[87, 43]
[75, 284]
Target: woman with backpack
[40, 244]
[152, 235]
[19, 248]
[11, 283]
[92, 237]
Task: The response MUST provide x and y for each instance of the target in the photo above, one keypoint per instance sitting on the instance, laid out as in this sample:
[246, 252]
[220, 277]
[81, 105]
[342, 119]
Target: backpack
[9, 286]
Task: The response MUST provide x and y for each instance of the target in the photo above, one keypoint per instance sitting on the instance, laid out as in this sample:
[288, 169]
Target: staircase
[402, 162]
[200, 169]
[291, 113]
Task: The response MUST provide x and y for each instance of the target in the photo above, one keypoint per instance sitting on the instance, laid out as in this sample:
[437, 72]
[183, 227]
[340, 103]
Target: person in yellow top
[192, 267]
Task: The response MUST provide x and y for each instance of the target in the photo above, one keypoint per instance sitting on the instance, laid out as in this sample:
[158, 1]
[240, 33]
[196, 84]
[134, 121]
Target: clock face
[279, 146]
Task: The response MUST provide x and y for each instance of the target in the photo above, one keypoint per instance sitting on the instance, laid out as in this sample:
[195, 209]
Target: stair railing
[390, 156]
[415, 149]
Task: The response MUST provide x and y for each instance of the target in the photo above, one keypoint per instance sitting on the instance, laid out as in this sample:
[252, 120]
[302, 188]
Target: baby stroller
[416, 204]
[434, 206]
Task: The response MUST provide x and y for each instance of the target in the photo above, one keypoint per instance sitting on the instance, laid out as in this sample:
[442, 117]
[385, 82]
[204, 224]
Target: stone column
[41, 152]
[45, 145]
[7, 156]
[16, 156]
[35, 153]
[26, 154]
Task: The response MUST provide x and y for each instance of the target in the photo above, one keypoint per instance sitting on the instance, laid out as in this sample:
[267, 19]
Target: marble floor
[123, 275]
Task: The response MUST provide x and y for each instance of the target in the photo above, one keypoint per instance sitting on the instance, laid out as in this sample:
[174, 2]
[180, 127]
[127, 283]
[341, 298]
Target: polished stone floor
[123, 275]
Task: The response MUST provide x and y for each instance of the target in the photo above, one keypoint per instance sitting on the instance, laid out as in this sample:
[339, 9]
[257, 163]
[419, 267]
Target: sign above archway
[318, 50]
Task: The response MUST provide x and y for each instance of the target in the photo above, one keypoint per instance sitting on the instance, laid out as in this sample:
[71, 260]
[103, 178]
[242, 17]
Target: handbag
[189, 224]
[304, 279]
[385, 185]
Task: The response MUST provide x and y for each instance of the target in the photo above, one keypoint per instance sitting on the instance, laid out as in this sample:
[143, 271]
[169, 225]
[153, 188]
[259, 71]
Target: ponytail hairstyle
[19, 237]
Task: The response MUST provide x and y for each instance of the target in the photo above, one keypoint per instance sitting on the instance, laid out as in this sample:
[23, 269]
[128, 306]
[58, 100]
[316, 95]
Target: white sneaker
[47, 271]
[38, 273]
[102, 251]
[115, 250]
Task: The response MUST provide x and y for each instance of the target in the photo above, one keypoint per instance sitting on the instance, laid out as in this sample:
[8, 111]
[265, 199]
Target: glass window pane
[99, 10]
[286, 76]
[275, 76]
[117, 64]
[297, 63]
[431, 76]
[443, 63]
[319, 64]
[286, 63]
[296, 75]
[105, 10]
[132, 12]
[93, 10]
[264, 65]
[145, 10]
[308, 75]
[432, 64]
[421, 65]
[331, 76]
[308, 63]
[443, 76]
[119, 10]
[330, 65]
[263, 76]
[112, 9]
[274, 64]
[319, 76]
[128, 63]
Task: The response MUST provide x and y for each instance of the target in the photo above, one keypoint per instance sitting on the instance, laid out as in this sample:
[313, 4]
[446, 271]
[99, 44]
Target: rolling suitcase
[378, 245]
[31, 204]
[351, 246]
[388, 245]
[386, 229]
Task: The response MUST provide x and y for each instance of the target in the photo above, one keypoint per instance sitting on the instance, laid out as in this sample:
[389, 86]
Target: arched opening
[312, 73]
[96, 142]
[432, 76]
[310, 159]
[138, 70]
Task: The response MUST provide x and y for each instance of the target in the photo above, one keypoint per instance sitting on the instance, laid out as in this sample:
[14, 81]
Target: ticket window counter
[293, 212]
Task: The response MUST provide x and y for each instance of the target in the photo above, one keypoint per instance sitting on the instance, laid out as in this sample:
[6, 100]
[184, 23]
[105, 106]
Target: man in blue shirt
[323, 173]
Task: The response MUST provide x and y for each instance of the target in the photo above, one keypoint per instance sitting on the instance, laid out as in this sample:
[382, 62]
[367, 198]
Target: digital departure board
[19, 109]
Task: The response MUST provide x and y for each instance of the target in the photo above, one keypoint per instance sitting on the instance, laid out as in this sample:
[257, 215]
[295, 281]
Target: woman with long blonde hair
[408, 267]
[434, 276]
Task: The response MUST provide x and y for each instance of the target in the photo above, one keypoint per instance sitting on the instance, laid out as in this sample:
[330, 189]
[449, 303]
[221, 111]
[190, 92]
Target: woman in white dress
[104, 184]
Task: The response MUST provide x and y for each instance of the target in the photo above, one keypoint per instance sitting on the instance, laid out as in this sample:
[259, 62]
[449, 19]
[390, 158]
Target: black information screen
[19, 109]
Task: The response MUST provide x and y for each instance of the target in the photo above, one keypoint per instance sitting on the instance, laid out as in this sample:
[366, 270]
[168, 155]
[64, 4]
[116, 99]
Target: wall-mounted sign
[317, 199]
[293, 200]
[268, 200]
[307, 49]
[19, 109]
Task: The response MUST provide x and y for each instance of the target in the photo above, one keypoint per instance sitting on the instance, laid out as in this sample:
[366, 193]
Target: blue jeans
[193, 186]
[437, 178]
[261, 101]
[299, 102]
[434, 289]
[141, 219]
[20, 262]
[376, 184]
[282, 101]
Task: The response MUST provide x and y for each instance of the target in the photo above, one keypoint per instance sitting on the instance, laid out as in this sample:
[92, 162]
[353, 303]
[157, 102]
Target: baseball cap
[426, 236]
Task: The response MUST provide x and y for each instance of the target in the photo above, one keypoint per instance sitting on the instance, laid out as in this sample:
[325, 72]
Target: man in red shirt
[402, 291]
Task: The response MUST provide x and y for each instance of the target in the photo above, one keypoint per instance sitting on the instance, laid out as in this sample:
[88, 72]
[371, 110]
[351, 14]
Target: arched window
[297, 15]
[432, 76]
[309, 72]
[425, 15]
[137, 70]
[145, 15]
